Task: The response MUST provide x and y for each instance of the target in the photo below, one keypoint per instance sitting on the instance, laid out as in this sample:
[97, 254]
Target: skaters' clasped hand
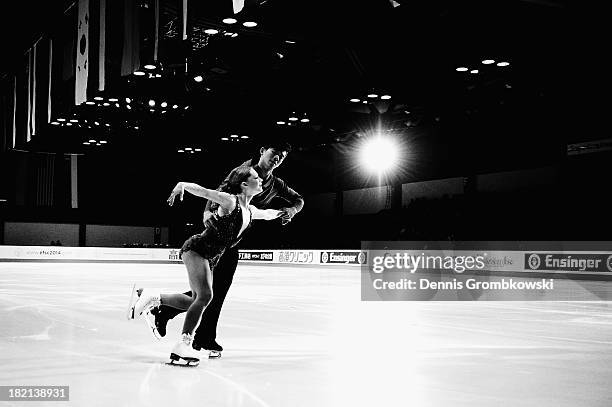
[286, 214]
[179, 189]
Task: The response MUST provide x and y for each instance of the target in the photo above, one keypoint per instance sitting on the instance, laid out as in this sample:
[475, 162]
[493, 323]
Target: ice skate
[155, 319]
[133, 299]
[211, 349]
[150, 319]
[146, 300]
[183, 353]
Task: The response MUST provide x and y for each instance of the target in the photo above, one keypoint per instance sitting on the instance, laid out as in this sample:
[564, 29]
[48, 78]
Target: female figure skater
[201, 252]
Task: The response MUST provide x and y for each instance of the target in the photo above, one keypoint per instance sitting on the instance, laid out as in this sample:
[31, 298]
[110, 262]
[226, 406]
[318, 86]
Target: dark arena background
[415, 126]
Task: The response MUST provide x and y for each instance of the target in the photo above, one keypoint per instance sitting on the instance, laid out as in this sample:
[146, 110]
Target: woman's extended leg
[200, 281]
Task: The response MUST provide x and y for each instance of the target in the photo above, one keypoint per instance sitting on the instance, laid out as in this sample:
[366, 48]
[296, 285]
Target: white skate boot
[147, 300]
[183, 353]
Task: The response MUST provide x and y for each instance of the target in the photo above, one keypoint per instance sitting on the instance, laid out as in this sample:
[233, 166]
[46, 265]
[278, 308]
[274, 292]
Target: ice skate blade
[150, 321]
[130, 310]
[176, 360]
[214, 354]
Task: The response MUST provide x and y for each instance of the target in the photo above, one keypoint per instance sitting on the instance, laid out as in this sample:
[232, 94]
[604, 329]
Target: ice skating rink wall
[495, 261]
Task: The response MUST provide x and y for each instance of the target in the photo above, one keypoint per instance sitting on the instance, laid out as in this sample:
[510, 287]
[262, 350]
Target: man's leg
[223, 275]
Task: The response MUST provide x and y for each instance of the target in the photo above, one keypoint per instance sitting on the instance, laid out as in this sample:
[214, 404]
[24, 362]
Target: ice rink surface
[297, 336]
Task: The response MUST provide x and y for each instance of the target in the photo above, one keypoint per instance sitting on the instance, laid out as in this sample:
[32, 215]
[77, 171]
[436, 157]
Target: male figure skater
[272, 155]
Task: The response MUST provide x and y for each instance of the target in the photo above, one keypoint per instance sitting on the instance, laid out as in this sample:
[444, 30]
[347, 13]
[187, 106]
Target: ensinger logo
[344, 257]
[534, 261]
[587, 262]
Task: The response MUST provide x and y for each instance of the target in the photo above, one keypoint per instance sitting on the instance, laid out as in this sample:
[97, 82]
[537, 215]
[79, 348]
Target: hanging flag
[50, 79]
[102, 46]
[33, 91]
[130, 59]
[14, 112]
[28, 83]
[82, 53]
[185, 6]
[156, 34]
[238, 6]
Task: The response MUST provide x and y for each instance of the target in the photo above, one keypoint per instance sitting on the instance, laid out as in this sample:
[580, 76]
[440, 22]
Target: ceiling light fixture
[250, 24]
[230, 20]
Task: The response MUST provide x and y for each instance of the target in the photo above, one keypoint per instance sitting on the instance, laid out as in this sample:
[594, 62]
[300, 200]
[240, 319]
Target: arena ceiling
[311, 57]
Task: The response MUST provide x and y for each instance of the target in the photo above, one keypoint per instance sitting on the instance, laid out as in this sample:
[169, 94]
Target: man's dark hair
[274, 138]
[278, 145]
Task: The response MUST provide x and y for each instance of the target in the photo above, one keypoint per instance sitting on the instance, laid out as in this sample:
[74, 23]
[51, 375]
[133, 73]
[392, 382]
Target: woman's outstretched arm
[224, 199]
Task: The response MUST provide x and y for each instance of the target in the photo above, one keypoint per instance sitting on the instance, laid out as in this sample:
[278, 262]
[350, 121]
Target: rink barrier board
[516, 262]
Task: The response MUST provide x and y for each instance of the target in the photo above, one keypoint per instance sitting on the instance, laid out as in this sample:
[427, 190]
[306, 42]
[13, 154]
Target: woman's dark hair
[235, 179]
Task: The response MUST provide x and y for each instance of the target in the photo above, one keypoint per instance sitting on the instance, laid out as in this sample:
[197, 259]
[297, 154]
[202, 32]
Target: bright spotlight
[198, 78]
[379, 154]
